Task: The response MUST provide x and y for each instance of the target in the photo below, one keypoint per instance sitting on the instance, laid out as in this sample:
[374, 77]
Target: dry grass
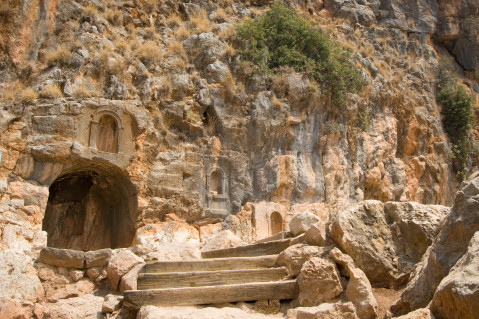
[151, 34]
[280, 83]
[51, 91]
[183, 33]
[200, 22]
[149, 53]
[59, 57]
[173, 20]
[227, 33]
[12, 91]
[115, 17]
[276, 102]
[28, 95]
[220, 14]
[229, 88]
[81, 92]
[175, 48]
[123, 48]
[150, 6]
[230, 51]
[91, 13]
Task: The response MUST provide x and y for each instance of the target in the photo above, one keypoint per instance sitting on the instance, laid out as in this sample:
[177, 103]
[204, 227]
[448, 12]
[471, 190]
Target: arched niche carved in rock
[216, 182]
[107, 134]
[276, 223]
[91, 208]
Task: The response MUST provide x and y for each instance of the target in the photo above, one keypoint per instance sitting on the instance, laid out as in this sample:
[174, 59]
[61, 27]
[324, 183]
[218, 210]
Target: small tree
[281, 37]
[457, 119]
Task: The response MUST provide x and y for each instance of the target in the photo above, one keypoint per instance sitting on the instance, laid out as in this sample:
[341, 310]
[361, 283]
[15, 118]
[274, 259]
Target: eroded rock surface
[448, 247]
[386, 240]
[458, 293]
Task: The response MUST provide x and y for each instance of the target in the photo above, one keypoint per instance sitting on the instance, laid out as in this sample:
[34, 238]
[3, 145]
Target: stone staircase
[244, 273]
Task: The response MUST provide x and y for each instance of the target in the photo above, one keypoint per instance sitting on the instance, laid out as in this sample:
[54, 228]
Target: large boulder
[302, 222]
[222, 240]
[358, 289]
[318, 282]
[295, 256]
[458, 293]
[387, 240]
[450, 244]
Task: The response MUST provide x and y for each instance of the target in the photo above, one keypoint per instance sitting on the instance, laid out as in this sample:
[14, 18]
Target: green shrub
[280, 37]
[457, 118]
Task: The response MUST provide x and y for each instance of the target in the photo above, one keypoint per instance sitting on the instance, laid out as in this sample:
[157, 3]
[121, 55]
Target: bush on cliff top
[280, 37]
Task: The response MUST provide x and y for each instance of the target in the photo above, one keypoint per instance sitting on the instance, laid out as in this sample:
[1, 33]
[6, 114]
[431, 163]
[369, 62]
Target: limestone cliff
[119, 114]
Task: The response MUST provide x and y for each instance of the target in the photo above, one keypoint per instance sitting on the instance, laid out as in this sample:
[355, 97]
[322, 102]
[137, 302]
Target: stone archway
[276, 223]
[89, 208]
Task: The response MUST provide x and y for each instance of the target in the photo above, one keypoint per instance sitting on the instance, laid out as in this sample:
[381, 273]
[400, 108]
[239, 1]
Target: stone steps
[213, 264]
[209, 278]
[255, 249]
[245, 273]
[211, 294]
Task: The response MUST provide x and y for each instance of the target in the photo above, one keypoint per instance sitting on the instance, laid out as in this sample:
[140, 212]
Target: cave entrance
[276, 222]
[91, 208]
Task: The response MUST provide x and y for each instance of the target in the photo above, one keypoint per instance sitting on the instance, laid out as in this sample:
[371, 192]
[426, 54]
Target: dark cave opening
[91, 209]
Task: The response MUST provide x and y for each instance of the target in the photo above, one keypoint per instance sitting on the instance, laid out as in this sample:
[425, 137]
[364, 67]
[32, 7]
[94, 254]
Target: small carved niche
[107, 134]
[216, 182]
[276, 223]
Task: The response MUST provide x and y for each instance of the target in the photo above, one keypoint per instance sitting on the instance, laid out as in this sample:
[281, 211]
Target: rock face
[387, 240]
[448, 247]
[458, 293]
[318, 282]
[118, 130]
[19, 279]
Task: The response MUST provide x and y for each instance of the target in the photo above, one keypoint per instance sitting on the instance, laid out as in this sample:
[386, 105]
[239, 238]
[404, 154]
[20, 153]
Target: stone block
[67, 258]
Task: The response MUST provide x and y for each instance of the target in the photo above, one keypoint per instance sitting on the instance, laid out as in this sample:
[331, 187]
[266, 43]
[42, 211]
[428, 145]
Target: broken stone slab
[97, 258]
[67, 258]
[302, 222]
[120, 264]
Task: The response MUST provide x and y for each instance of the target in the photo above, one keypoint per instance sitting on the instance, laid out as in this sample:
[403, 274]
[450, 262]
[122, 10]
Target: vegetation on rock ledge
[457, 119]
[280, 37]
